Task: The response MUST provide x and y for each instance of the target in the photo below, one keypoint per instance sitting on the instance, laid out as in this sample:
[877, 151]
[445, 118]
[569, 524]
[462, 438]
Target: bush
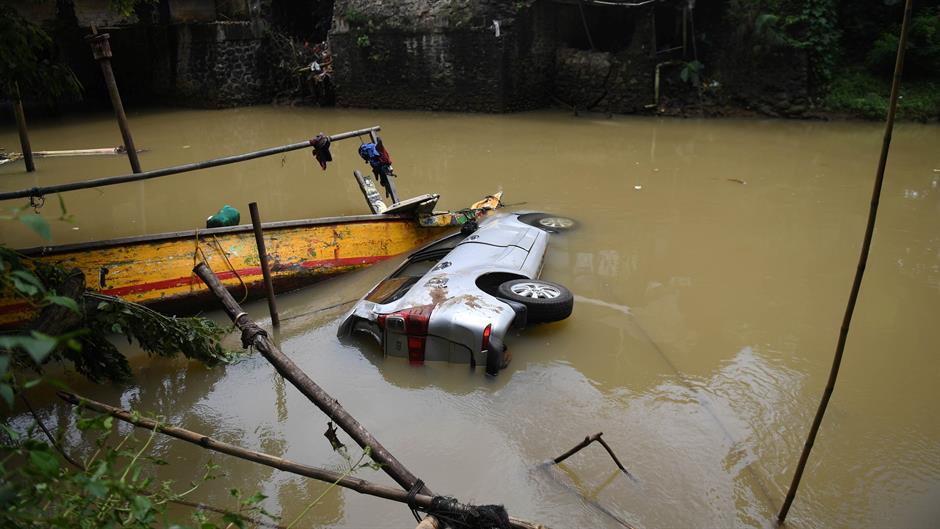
[923, 52]
[860, 94]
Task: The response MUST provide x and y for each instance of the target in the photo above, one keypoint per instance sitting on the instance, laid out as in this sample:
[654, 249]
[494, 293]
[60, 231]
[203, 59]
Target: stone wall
[774, 84]
[615, 82]
[442, 55]
[203, 53]
[216, 64]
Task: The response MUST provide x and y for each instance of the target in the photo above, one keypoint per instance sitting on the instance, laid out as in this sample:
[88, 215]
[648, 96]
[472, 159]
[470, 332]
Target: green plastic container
[227, 216]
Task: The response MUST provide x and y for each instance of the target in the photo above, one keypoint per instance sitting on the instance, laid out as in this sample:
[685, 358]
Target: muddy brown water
[711, 266]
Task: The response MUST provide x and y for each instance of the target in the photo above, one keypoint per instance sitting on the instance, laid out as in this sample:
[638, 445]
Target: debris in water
[738, 180]
[637, 187]
[185, 146]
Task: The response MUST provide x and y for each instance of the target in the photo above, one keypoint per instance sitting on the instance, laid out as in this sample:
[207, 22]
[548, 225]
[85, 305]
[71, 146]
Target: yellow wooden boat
[156, 270]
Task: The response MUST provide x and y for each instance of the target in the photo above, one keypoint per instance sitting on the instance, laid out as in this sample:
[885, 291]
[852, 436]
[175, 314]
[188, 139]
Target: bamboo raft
[11, 157]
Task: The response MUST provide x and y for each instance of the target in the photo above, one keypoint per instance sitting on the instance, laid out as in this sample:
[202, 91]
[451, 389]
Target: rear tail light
[414, 322]
[416, 346]
[486, 337]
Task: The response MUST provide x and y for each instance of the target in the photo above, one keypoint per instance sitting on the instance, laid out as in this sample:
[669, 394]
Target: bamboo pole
[101, 49]
[860, 271]
[21, 128]
[252, 335]
[362, 486]
[112, 180]
[263, 257]
[328, 476]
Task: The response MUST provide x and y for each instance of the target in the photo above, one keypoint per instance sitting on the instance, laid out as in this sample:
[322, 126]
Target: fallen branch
[422, 501]
[588, 440]
[78, 465]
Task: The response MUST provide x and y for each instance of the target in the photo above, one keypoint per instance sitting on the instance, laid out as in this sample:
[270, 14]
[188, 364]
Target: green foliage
[363, 41]
[691, 73]
[112, 488]
[356, 18]
[27, 57]
[158, 334]
[815, 29]
[861, 94]
[125, 8]
[923, 48]
[87, 347]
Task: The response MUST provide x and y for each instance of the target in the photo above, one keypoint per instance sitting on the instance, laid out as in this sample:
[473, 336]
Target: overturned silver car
[455, 299]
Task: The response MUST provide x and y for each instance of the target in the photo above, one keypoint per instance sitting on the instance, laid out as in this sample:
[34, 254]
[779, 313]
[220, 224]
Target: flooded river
[711, 268]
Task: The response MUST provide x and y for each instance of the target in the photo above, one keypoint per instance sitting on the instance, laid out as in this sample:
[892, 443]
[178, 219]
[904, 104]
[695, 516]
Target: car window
[420, 263]
[420, 267]
[391, 289]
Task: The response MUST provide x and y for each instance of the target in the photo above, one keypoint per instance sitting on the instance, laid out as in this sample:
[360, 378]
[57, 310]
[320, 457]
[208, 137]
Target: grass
[860, 94]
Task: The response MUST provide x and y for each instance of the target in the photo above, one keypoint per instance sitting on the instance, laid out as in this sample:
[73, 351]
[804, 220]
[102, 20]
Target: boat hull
[156, 270]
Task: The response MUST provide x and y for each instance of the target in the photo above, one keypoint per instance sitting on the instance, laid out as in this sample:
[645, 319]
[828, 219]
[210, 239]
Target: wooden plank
[373, 198]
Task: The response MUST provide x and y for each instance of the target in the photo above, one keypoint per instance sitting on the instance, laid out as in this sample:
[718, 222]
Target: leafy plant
[814, 29]
[923, 53]
[85, 342]
[859, 93]
[691, 73]
[27, 61]
[113, 487]
[363, 41]
[356, 18]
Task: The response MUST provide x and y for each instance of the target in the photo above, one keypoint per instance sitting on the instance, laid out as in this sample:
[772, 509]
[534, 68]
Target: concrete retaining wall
[442, 56]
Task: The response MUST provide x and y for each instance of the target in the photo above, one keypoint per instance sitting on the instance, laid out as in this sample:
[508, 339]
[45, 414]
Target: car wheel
[547, 222]
[544, 301]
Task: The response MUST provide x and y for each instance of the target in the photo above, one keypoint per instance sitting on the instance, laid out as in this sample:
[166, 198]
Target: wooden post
[859, 272]
[263, 256]
[254, 335]
[21, 126]
[101, 49]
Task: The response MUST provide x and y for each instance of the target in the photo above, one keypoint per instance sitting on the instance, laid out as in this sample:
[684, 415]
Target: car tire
[548, 222]
[544, 301]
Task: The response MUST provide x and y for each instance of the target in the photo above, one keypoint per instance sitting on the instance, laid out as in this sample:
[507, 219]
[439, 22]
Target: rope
[232, 268]
[419, 484]
[249, 332]
[469, 516]
[197, 251]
